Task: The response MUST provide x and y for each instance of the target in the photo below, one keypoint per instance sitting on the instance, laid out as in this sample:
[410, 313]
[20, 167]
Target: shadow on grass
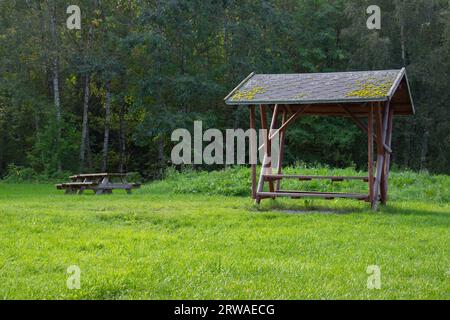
[392, 210]
[308, 207]
[343, 208]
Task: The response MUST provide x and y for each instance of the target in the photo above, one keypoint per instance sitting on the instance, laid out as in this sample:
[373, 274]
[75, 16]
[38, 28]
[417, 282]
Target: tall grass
[235, 181]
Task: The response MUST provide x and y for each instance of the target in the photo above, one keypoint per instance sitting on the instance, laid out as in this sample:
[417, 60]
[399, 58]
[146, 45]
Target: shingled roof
[346, 88]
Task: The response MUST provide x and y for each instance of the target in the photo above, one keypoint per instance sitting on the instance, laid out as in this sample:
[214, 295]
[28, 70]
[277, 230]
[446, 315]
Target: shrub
[19, 174]
[235, 181]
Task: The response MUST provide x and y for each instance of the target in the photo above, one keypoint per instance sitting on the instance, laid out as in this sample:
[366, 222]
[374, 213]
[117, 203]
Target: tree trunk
[37, 127]
[85, 129]
[424, 151]
[122, 145]
[402, 40]
[161, 156]
[88, 150]
[107, 125]
[225, 32]
[401, 20]
[85, 143]
[55, 81]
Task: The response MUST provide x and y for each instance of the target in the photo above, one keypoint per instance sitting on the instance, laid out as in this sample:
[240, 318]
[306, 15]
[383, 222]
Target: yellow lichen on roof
[372, 88]
[300, 95]
[247, 95]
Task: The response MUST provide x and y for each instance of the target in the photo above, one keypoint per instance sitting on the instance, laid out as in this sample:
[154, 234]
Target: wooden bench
[76, 187]
[75, 184]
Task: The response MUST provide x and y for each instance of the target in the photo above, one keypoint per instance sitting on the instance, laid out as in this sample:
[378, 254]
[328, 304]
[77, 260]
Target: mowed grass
[156, 244]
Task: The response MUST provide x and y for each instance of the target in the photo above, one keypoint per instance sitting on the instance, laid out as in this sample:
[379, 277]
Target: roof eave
[402, 74]
[300, 102]
[396, 83]
[410, 94]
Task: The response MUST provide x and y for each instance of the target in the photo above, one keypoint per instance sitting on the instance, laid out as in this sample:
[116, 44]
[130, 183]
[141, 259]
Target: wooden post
[355, 119]
[253, 141]
[380, 155]
[101, 185]
[267, 163]
[385, 146]
[370, 151]
[269, 145]
[288, 122]
[262, 110]
[387, 162]
[281, 149]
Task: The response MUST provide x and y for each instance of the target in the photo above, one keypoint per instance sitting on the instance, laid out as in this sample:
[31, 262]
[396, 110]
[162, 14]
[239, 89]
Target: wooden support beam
[370, 151]
[277, 177]
[273, 124]
[262, 110]
[281, 149]
[384, 125]
[379, 130]
[355, 119]
[380, 155]
[387, 162]
[251, 154]
[267, 162]
[362, 126]
[288, 122]
[312, 194]
[387, 148]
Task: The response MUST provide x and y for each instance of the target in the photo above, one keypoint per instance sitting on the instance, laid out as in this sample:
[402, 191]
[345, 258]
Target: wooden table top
[97, 175]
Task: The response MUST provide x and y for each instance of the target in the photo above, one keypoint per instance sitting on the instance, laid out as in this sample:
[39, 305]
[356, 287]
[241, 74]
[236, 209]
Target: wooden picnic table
[100, 183]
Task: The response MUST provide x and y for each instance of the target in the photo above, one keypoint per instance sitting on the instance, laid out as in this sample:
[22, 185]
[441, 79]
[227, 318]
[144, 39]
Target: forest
[107, 96]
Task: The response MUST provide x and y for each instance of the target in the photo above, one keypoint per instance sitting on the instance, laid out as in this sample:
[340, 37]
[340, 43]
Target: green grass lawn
[157, 244]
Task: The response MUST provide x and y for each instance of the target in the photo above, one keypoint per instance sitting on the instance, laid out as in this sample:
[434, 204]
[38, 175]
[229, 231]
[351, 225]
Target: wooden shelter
[370, 99]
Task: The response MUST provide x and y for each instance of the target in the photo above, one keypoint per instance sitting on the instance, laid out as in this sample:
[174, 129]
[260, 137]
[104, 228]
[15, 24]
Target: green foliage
[232, 182]
[235, 181]
[18, 174]
[134, 177]
[45, 154]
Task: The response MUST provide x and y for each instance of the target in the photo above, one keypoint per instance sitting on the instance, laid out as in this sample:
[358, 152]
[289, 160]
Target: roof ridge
[331, 72]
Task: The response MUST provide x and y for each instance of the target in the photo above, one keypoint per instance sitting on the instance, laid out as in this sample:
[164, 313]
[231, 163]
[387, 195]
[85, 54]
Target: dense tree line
[107, 96]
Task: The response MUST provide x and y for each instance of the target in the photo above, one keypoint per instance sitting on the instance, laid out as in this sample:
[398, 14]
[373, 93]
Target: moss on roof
[247, 95]
[300, 95]
[372, 88]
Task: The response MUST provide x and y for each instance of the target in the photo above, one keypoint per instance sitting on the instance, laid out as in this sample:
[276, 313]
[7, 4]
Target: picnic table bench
[100, 183]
